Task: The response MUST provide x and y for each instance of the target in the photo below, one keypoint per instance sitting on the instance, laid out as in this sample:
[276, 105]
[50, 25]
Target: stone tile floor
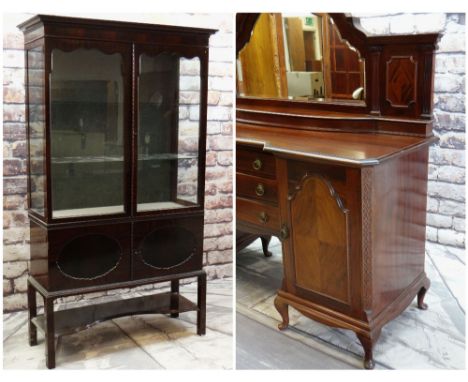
[135, 342]
[432, 339]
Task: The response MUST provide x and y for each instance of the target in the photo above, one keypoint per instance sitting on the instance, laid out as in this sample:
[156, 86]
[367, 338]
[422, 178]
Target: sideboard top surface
[353, 149]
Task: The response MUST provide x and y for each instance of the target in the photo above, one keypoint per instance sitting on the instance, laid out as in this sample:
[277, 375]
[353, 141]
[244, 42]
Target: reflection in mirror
[302, 57]
[168, 132]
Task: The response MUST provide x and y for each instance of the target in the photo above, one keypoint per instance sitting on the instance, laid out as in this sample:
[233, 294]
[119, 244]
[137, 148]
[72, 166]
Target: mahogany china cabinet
[333, 133]
[116, 116]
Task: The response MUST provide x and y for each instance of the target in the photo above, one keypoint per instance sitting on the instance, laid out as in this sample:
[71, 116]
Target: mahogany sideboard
[342, 183]
[116, 169]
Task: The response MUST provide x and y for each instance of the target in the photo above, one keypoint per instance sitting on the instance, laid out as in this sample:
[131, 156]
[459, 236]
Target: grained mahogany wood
[319, 236]
[254, 187]
[257, 213]
[376, 51]
[283, 310]
[255, 162]
[63, 262]
[374, 156]
[342, 148]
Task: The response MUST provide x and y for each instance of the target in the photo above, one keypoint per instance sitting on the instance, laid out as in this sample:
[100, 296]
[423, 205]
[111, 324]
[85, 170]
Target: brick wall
[218, 195]
[446, 201]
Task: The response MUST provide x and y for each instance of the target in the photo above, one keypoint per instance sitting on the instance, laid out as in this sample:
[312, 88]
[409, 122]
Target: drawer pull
[257, 164]
[263, 217]
[260, 190]
[284, 232]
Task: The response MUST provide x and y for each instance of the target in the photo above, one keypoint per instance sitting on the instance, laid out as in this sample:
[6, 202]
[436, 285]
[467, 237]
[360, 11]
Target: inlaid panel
[401, 81]
[319, 236]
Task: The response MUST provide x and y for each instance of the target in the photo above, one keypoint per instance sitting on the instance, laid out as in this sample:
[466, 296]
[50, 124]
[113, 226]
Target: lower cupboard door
[166, 247]
[87, 256]
[319, 244]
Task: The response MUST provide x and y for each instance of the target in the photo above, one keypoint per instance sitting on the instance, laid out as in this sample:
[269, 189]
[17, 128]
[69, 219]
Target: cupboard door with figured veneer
[319, 241]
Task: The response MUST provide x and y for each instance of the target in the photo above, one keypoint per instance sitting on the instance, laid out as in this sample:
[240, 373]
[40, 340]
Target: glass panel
[36, 129]
[87, 139]
[168, 132]
[301, 57]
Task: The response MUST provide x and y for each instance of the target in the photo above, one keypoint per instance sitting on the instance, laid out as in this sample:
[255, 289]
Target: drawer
[255, 187]
[255, 162]
[261, 214]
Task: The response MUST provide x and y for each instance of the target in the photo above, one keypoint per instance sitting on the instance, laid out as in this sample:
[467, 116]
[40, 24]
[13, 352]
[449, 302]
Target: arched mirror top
[314, 57]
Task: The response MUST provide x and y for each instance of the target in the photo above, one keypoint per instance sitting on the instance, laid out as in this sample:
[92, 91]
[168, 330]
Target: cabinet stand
[66, 321]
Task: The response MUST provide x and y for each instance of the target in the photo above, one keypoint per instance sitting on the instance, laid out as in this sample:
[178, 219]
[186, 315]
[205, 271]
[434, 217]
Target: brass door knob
[263, 217]
[284, 232]
[260, 190]
[257, 164]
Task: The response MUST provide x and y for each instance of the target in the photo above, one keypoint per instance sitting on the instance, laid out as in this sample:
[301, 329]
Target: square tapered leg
[32, 313]
[201, 315]
[49, 333]
[175, 298]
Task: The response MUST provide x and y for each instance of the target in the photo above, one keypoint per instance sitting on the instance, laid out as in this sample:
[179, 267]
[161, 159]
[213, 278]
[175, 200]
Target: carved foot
[265, 242]
[368, 343]
[422, 293]
[283, 310]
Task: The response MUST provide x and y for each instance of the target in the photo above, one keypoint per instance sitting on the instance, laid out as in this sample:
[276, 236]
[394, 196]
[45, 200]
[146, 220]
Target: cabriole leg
[283, 310]
[32, 313]
[422, 293]
[201, 314]
[175, 298]
[49, 332]
[265, 242]
[368, 341]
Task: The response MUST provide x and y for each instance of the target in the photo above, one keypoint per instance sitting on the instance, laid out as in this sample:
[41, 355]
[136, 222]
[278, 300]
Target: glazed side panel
[399, 197]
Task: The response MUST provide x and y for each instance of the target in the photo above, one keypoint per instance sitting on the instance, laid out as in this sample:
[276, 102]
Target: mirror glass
[299, 57]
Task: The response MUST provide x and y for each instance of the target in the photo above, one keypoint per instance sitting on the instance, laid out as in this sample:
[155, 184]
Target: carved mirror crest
[297, 57]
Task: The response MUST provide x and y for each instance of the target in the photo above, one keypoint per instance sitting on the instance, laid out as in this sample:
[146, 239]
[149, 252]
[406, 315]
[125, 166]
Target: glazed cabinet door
[168, 246]
[317, 235]
[169, 149]
[89, 130]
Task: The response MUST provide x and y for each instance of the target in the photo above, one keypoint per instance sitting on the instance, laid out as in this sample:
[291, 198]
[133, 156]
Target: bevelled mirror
[299, 57]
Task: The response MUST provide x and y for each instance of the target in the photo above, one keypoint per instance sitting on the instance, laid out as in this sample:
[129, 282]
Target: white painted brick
[447, 190]
[429, 22]
[450, 237]
[451, 174]
[439, 221]
[431, 234]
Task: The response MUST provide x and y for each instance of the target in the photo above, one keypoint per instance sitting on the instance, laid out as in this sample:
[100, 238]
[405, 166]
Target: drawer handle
[284, 232]
[263, 217]
[260, 190]
[257, 164]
